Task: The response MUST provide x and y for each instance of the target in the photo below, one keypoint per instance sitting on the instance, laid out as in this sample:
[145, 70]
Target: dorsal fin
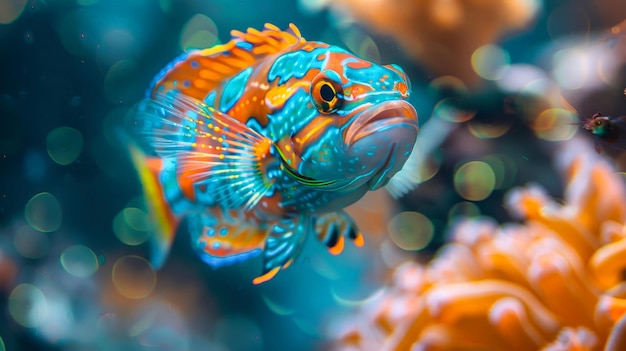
[196, 73]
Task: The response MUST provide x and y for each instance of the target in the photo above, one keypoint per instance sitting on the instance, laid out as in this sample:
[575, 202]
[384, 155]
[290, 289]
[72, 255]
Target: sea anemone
[555, 281]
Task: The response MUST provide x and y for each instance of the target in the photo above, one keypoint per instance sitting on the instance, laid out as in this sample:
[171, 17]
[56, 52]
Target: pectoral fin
[212, 149]
[221, 240]
[284, 243]
[333, 228]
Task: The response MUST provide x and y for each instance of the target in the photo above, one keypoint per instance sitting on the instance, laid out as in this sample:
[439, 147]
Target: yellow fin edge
[164, 220]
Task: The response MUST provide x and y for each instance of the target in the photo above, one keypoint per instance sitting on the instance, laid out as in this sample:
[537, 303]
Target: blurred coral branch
[554, 282]
[442, 34]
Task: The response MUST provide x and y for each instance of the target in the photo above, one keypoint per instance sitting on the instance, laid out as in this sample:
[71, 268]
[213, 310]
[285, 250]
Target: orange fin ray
[211, 148]
[333, 228]
[195, 75]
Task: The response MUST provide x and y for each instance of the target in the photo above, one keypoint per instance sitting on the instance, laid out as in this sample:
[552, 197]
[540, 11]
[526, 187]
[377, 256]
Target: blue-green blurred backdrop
[72, 224]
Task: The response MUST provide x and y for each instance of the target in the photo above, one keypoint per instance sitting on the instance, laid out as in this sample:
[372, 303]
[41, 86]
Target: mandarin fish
[263, 140]
[610, 132]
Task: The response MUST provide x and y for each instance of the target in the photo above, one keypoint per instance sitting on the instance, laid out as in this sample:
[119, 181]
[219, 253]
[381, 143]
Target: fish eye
[598, 122]
[327, 92]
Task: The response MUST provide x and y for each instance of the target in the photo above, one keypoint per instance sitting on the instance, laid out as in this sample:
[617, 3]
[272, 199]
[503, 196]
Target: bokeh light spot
[10, 10]
[488, 131]
[392, 255]
[463, 209]
[114, 119]
[474, 180]
[567, 19]
[31, 243]
[312, 6]
[350, 296]
[43, 212]
[555, 124]
[118, 44]
[133, 277]
[369, 50]
[28, 305]
[448, 83]
[516, 77]
[572, 68]
[446, 110]
[2, 347]
[277, 308]
[410, 230]
[307, 326]
[427, 170]
[136, 219]
[131, 226]
[607, 68]
[116, 87]
[539, 87]
[324, 268]
[79, 261]
[490, 61]
[198, 33]
[138, 202]
[360, 43]
[64, 145]
[142, 325]
[503, 168]
[72, 34]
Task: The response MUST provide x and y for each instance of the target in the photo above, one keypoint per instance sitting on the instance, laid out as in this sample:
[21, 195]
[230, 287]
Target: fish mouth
[389, 114]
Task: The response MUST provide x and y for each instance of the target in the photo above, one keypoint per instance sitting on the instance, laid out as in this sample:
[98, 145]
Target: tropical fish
[264, 139]
[610, 132]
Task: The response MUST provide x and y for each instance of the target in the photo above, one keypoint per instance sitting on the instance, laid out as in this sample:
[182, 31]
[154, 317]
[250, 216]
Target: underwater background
[500, 87]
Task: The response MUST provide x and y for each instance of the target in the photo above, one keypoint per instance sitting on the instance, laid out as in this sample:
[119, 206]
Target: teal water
[73, 230]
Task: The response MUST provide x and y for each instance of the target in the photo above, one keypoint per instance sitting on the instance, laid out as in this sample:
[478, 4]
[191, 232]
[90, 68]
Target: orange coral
[554, 282]
[442, 34]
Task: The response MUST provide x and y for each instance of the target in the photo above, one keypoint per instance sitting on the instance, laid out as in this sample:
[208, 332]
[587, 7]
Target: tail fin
[164, 219]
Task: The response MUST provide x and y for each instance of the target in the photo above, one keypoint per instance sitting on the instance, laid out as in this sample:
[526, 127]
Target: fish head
[598, 124]
[359, 127]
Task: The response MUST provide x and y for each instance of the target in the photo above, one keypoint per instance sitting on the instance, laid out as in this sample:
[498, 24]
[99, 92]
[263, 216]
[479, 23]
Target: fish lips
[382, 116]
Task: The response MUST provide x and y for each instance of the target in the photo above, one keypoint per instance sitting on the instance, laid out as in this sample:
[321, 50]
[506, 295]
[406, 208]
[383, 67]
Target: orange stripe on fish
[229, 58]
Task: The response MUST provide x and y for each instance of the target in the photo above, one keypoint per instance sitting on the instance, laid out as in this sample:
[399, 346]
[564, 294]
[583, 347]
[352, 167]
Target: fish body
[262, 140]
